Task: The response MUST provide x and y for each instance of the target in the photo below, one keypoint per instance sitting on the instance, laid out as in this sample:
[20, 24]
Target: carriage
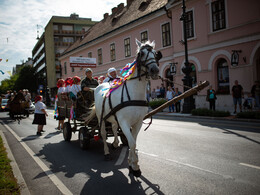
[18, 106]
[74, 122]
[126, 107]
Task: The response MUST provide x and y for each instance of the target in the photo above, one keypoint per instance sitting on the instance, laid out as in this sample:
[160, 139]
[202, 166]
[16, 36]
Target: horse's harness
[130, 102]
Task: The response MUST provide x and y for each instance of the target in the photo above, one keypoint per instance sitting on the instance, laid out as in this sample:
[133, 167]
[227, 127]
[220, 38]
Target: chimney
[114, 10]
[120, 7]
[105, 15]
[129, 2]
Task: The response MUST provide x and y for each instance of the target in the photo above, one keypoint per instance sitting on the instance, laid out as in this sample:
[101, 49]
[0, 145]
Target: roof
[121, 16]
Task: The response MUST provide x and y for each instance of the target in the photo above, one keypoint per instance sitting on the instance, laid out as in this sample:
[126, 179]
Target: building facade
[223, 44]
[60, 33]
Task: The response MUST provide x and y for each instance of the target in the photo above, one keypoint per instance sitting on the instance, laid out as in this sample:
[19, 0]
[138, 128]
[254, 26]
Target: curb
[173, 115]
[16, 171]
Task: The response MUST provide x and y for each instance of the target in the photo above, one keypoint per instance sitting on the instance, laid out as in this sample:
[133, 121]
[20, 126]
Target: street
[176, 156]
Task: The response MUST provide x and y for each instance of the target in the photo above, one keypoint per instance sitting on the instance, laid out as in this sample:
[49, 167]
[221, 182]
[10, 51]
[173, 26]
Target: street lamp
[188, 104]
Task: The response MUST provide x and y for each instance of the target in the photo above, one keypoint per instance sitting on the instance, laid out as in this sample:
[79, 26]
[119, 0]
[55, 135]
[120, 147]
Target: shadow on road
[98, 176]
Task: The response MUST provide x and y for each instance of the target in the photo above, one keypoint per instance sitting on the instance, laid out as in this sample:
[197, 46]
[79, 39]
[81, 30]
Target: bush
[155, 103]
[207, 112]
[251, 114]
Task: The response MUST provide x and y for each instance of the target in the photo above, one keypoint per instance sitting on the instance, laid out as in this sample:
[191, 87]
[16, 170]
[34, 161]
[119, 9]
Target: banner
[83, 62]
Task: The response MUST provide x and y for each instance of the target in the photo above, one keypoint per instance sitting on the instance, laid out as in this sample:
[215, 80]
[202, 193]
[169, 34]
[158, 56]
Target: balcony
[60, 43]
[68, 32]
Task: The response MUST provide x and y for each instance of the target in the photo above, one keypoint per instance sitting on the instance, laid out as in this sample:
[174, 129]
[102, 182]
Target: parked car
[4, 105]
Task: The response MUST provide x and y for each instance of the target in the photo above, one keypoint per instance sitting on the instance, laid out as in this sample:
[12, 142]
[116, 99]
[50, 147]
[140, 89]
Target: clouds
[19, 19]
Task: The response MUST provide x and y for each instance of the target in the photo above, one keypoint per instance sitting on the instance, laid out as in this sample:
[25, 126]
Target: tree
[27, 79]
[8, 84]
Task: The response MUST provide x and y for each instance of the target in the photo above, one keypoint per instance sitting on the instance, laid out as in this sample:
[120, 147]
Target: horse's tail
[90, 116]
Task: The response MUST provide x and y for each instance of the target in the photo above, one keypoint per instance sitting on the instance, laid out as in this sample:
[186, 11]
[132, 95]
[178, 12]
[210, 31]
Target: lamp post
[188, 104]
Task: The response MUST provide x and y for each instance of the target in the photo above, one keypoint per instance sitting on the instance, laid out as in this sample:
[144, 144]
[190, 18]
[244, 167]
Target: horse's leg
[133, 167]
[114, 129]
[104, 138]
[133, 156]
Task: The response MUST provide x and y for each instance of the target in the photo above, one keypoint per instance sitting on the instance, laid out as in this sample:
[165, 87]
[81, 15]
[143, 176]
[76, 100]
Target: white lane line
[46, 169]
[121, 156]
[248, 165]
[153, 155]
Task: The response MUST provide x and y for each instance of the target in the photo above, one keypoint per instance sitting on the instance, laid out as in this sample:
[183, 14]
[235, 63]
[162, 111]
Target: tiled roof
[121, 15]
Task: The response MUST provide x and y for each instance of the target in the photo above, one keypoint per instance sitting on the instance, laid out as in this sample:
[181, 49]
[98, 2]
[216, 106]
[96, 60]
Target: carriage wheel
[67, 131]
[84, 138]
[123, 139]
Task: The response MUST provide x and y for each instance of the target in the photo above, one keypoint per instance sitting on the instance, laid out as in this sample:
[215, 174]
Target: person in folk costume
[75, 88]
[68, 84]
[111, 75]
[60, 96]
[101, 79]
[39, 114]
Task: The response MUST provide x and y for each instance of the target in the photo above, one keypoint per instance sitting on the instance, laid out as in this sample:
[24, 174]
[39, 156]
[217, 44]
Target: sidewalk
[176, 115]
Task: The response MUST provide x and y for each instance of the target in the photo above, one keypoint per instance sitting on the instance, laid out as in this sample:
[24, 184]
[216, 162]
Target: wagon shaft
[176, 99]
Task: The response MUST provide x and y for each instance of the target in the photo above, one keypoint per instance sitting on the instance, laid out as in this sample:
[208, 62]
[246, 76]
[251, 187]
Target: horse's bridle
[146, 62]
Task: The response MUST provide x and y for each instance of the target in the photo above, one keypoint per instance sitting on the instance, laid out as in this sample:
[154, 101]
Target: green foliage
[26, 79]
[207, 112]
[8, 183]
[251, 115]
[157, 102]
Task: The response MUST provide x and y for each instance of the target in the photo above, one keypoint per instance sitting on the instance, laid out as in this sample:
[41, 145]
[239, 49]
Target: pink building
[216, 29]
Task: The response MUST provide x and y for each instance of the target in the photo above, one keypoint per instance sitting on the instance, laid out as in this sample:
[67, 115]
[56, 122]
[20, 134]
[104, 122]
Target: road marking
[248, 165]
[153, 155]
[57, 182]
[121, 156]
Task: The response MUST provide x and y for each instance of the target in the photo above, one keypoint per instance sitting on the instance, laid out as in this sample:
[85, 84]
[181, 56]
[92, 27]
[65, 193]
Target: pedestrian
[39, 114]
[238, 94]
[178, 103]
[157, 91]
[255, 91]
[162, 91]
[211, 98]
[169, 95]
[249, 102]
[153, 94]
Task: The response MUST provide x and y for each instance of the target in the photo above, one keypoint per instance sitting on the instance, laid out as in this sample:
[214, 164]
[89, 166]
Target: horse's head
[148, 59]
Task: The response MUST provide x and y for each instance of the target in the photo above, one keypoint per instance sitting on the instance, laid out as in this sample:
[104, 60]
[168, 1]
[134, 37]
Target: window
[189, 25]
[68, 39]
[65, 67]
[72, 69]
[127, 47]
[90, 54]
[166, 36]
[100, 56]
[218, 15]
[223, 77]
[144, 36]
[112, 52]
[56, 39]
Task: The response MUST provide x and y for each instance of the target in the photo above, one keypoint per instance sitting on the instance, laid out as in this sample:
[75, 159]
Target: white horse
[128, 103]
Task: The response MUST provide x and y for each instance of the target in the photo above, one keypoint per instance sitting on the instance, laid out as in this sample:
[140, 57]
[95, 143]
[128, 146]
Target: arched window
[193, 75]
[223, 77]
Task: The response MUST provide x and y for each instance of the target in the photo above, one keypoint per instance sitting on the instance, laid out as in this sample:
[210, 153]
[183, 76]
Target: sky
[19, 20]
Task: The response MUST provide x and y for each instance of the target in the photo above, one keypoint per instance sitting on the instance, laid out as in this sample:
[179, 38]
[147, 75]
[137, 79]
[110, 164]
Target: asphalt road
[176, 156]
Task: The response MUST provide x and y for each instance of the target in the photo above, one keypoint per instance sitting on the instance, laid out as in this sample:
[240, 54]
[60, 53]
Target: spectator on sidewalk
[162, 91]
[177, 104]
[153, 94]
[238, 94]
[169, 95]
[255, 91]
[211, 98]
[157, 91]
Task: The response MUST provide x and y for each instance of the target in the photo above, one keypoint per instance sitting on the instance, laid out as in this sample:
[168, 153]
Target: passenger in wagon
[86, 100]
[111, 75]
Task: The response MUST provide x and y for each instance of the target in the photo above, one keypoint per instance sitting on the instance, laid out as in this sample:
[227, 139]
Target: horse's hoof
[136, 173]
[107, 157]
